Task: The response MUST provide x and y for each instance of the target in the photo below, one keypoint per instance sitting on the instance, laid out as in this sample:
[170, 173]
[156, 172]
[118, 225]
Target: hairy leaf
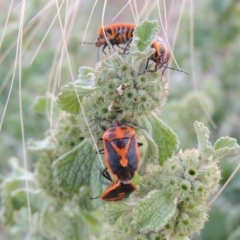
[86, 77]
[149, 150]
[7, 208]
[40, 104]
[96, 187]
[204, 146]
[225, 146]
[225, 142]
[44, 104]
[166, 140]
[113, 211]
[153, 212]
[19, 198]
[72, 170]
[143, 36]
[71, 95]
[59, 225]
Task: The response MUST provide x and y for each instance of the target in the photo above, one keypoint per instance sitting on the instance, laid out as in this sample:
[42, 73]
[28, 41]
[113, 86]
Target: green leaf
[225, 146]
[86, 78]
[166, 140]
[40, 104]
[69, 99]
[82, 199]
[44, 104]
[96, 187]
[224, 152]
[112, 211]
[225, 142]
[150, 150]
[72, 170]
[71, 95]
[7, 208]
[153, 212]
[19, 199]
[58, 224]
[143, 36]
[204, 146]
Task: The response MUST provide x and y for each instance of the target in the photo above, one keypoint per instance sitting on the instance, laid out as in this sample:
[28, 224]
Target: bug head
[100, 40]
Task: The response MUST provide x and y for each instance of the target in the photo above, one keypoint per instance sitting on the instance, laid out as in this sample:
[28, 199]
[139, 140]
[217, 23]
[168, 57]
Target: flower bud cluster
[67, 134]
[122, 93]
[191, 180]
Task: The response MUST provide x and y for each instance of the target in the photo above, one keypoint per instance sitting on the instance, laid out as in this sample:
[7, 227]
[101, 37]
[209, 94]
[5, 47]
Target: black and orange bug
[121, 151]
[117, 191]
[162, 56]
[116, 34]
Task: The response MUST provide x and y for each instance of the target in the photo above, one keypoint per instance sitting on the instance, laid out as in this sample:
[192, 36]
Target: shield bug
[162, 56]
[117, 191]
[121, 151]
[115, 34]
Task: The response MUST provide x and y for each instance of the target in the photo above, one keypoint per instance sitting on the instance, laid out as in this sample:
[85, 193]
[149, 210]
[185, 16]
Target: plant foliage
[173, 188]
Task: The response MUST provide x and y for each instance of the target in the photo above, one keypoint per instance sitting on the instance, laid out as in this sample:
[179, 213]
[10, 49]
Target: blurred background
[204, 38]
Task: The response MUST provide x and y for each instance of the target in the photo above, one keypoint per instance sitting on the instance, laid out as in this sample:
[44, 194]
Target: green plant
[173, 188]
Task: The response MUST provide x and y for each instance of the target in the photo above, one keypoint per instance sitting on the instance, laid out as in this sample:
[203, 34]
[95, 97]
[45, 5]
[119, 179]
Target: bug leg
[164, 69]
[177, 70]
[127, 46]
[106, 175]
[99, 123]
[145, 68]
[125, 41]
[101, 126]
[125, 50]
[100, 151]
[112, 43]
[104, 48]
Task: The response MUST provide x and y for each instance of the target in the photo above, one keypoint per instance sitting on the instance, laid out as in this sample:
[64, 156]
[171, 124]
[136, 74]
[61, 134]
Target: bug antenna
[177, 70]
[98, 54]
[86, 43]
[94, 197]
[100, 119]
[133, 124]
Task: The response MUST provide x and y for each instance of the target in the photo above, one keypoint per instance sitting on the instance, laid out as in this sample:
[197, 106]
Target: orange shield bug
[162, 56]
[116, 34]
[117, 191]
[121, 152]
